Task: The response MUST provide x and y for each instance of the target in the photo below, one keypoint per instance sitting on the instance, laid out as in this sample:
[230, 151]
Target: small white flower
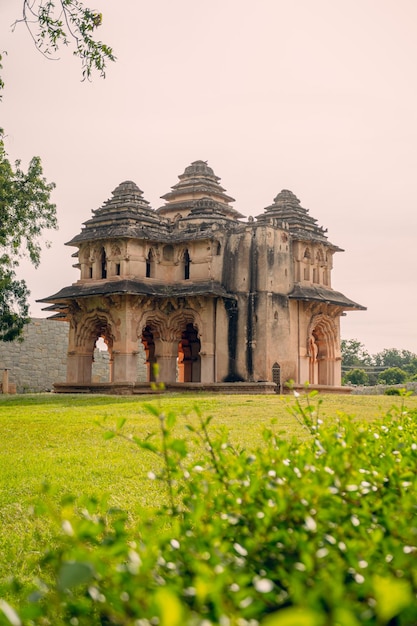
[151, 475]
[330, 539]
[355, 520]
[409, 549]
[321, 553]
[245, 602]
[263, 585]
[359, 578]
[310, 524]
[363, 564]
[175, 543]
[240, 549]
[67, 528]
[300, 567]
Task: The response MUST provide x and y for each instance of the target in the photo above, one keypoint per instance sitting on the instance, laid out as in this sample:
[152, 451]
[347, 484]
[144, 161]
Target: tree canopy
[26, 209]
[390, 366]
[25, 212]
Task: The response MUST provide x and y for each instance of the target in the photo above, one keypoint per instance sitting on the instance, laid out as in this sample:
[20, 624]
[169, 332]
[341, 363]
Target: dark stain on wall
[252, 304]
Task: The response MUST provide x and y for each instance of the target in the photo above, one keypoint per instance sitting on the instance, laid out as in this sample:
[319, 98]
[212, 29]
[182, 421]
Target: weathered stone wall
[40, 360]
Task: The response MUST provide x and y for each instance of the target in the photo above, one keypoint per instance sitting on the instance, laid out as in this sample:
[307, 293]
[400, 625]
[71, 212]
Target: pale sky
[315, 96]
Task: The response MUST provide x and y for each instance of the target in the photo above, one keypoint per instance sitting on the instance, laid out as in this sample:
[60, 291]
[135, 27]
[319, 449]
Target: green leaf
[121, 423]
[171, 419]
[392, 596]
[152, 409]
[109, 434]
[73, 574]
[294, 616]
[170, 609]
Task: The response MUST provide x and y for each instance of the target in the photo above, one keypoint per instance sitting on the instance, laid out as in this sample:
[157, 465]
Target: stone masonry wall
[40, 360]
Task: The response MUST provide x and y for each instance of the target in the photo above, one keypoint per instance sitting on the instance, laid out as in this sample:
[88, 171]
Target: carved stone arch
[182, 317]
[116, 251]
[322, 344]
[93, 325]
[320, 255]
[84, 253]
[307, 253]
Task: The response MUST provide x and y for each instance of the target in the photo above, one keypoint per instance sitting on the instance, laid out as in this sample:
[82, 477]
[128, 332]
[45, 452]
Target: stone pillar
[124, 367]
[5, 381]
[166, 353]
[207, 368]
[79, 367]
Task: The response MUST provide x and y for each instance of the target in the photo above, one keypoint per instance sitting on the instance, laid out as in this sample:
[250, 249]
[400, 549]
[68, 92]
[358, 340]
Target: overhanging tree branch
[67, 22]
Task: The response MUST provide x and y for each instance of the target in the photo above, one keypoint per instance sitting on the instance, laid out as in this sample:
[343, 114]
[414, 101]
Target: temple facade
[207, 295]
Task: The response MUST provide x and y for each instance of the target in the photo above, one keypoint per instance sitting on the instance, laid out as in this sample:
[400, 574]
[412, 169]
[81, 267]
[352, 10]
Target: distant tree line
[388, 367]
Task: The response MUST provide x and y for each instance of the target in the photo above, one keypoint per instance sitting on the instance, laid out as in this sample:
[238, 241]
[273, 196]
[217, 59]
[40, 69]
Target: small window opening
[117, 269]
[90, 272]
[186, 265]
[103, 264]
[150, 265]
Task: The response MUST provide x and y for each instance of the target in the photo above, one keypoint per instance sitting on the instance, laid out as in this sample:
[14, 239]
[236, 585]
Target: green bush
[356, 377]
[392, 391]
[313, 533]
[392, 376]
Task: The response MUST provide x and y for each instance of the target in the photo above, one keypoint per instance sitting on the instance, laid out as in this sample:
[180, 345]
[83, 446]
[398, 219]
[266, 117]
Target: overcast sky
[315, 96]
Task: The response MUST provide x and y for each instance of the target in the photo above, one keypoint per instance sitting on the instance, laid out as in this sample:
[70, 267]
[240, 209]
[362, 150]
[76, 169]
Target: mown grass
[59, 440]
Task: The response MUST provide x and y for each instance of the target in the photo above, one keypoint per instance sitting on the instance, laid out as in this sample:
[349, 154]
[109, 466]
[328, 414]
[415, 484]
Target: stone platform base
[127, 389]
[147, 388]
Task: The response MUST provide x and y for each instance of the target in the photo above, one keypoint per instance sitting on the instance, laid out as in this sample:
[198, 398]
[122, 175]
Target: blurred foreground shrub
[313, 533]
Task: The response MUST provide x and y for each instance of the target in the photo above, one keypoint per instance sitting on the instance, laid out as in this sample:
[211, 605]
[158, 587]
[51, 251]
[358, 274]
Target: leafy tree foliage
[392, 357]
[354, 353]
[53, 24]
[390, 366]
[25, 207]
[356, 377]
[392, 376]
[25, 211]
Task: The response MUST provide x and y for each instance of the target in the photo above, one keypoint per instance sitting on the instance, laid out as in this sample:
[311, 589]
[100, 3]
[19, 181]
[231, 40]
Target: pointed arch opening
[189, 360]
[148, 343]
[322, 344]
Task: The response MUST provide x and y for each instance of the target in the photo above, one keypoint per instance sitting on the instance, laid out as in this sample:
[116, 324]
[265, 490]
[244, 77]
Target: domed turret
[125, 214]
[197, 182]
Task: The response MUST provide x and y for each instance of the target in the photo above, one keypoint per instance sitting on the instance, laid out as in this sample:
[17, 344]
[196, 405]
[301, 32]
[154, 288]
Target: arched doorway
[83, 337]
[322, 343]
[149, 347]
[189, 361]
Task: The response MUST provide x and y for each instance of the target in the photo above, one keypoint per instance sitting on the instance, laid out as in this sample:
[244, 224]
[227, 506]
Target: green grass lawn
[59, 440]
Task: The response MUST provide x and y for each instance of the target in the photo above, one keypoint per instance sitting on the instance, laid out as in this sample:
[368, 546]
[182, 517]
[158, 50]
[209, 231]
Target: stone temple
[209, 297]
